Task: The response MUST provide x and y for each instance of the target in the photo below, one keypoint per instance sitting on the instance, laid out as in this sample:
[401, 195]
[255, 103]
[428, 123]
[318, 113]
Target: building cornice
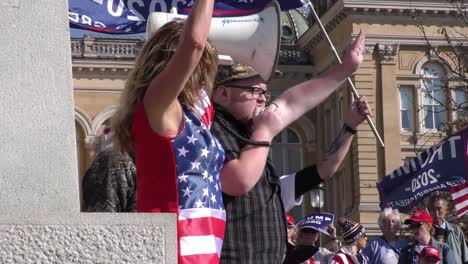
[399, 7]
[96, 66]
[405, 40]
[98, 55]
[393, 43]
[343, 8]
[408, 77]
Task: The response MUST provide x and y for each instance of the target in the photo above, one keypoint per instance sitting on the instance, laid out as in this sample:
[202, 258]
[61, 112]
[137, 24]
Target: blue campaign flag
[318, 221]
[129, 16]
[440, 167]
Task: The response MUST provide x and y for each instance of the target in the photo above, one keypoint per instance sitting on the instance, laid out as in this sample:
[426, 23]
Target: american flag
[205, 109]
[182, 175]
[460, 199]
[202, 217]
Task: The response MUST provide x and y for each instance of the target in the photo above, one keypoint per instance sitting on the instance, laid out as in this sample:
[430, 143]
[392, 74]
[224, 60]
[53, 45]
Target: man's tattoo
[336, 144]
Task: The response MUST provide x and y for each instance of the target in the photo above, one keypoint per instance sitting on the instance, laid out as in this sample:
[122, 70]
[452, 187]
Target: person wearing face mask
[386, 249]
[420, 225]
[446, 232]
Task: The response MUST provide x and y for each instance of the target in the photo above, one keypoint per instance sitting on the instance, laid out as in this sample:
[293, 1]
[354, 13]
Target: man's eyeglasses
[255, 91]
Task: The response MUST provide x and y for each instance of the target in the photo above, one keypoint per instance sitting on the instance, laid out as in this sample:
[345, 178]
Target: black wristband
[349, 129]
[259, 143]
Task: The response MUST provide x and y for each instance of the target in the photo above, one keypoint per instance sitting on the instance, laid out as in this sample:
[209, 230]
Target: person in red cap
[292, 230]
[420, 225]
[429, 255]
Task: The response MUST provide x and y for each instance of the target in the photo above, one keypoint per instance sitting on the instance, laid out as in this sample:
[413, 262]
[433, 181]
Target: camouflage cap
[228, 73]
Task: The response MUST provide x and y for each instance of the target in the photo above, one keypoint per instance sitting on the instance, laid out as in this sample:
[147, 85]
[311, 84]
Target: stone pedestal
[88, 238]
[40, 220]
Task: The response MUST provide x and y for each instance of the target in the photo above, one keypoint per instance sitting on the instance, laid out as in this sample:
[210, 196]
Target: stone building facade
[396, 55]
[396, 59]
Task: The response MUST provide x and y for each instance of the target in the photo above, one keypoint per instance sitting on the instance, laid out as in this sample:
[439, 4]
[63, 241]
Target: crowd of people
[423, 245]
[193, 138]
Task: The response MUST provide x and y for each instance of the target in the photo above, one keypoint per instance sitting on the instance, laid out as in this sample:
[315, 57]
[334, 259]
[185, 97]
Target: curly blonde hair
[151, 60]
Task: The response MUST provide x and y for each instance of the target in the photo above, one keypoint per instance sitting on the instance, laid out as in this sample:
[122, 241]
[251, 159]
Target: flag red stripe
[340, 259]
[462, 211]
[207, 117]
[203, 226]
[201, 258]
[461, 199]
[457, 201]
[458, 188]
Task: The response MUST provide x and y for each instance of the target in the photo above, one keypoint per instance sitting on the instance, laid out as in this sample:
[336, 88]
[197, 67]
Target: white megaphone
[253, 40]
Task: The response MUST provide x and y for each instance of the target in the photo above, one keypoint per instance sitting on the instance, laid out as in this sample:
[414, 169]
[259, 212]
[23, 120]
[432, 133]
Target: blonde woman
[420, 225]
[163, 119]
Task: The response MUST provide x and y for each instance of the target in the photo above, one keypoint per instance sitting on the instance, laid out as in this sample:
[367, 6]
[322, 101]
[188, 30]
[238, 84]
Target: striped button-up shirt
[256, 222]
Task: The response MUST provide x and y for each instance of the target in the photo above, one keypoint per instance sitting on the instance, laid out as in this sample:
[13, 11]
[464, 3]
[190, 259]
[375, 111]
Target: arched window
[287, 157]
[287, 152]
[434, 95]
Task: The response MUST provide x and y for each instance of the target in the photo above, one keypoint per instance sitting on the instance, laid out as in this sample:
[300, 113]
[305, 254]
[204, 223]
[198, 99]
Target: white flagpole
[351, 84]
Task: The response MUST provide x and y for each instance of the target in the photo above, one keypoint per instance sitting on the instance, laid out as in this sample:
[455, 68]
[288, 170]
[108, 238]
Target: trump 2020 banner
[318, 221]
[440, 167]
[129, 16]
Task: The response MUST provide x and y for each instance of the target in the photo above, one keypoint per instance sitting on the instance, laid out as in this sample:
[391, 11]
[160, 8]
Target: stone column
[365, 146]
[390, 112]
[37, 142]
[40, 220]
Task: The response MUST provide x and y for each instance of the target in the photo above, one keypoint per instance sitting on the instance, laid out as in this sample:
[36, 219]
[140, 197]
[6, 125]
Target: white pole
[351, 84]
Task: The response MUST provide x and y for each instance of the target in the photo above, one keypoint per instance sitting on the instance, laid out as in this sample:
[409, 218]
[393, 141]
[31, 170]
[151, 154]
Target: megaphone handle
[351, 84]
